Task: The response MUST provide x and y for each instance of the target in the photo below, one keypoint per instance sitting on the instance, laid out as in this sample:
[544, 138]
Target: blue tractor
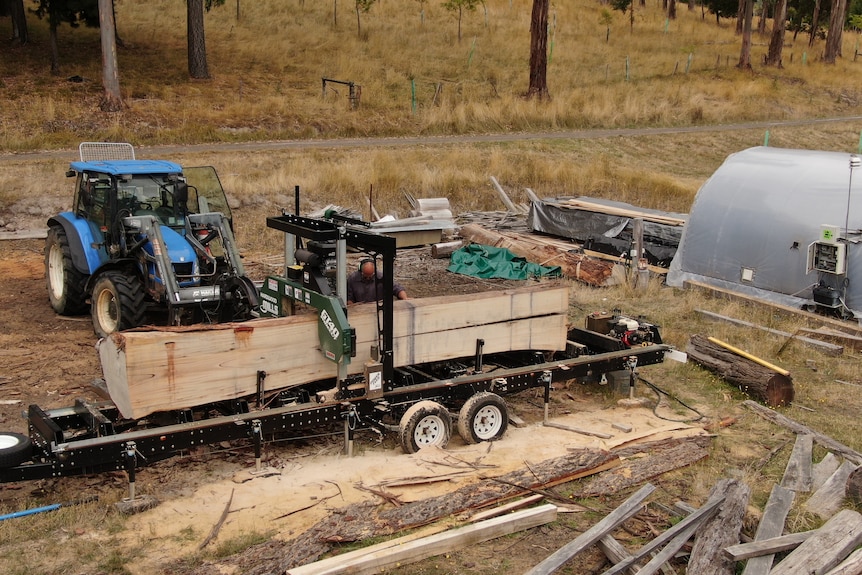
[146, 240]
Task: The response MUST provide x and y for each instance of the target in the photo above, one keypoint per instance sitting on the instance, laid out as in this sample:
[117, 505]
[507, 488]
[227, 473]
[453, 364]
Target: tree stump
[761, 383]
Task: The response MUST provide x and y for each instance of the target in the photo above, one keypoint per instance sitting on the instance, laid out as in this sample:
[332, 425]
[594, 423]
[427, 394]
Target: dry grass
[267, 68]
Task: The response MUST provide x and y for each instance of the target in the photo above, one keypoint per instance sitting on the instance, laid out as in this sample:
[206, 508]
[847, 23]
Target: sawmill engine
[630, 331]
[317, 267]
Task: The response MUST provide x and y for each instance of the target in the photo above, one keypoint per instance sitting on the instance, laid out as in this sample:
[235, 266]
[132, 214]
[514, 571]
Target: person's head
[367, 270]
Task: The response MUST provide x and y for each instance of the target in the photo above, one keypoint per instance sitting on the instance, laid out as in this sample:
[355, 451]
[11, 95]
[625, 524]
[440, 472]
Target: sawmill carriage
[374, 388]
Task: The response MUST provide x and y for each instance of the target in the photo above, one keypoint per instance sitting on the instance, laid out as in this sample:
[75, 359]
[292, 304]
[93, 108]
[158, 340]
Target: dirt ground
[50, 360]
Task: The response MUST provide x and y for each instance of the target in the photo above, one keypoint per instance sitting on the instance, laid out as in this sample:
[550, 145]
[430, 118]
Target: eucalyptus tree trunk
[815, 22]
[112, 100]
[539, 51]
[836, 31]
[197, 47]
[776, 44]
[745, 53]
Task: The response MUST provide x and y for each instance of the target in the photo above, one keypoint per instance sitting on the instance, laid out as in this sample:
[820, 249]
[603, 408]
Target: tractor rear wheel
[65, 283]
[425, 424]
[117, 303]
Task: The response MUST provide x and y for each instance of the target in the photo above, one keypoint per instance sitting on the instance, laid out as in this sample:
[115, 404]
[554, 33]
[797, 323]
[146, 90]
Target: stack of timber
[173, 368]
[574, 265]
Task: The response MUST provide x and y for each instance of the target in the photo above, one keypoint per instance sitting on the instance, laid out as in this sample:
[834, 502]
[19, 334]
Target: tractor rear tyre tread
[483, 417]
[65, 283]
[425, 424]
[117, 302]
[14, 449]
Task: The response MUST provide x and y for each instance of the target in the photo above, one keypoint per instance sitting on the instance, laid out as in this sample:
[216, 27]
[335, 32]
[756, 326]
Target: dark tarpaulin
[488, 262]
[606, 233]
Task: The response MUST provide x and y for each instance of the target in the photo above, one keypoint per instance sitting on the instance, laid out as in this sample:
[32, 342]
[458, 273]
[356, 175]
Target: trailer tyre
[117, 303]
[484, 417]
[425, 424]
[14, 449]
[65, 283]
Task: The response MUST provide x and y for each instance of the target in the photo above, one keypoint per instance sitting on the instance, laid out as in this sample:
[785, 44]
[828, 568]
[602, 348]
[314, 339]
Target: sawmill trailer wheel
[14, 448]
[425, 424]
[483, 417]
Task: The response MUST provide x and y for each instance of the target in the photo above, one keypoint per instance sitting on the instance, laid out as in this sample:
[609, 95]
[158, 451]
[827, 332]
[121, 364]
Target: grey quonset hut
[778, 224]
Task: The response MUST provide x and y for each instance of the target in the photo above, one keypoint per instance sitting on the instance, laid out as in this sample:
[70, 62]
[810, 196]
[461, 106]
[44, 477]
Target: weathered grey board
[150, 371]
[771, 525]
[828, 547]
[797, 474]
[829, 498]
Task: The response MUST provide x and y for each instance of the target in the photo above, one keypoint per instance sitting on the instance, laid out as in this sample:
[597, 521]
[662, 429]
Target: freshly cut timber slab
[174, 368]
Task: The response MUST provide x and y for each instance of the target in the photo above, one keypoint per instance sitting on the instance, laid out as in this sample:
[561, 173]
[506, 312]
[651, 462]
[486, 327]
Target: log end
[779, 391]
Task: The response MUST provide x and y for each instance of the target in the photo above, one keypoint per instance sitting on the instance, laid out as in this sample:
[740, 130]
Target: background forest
[417, 67]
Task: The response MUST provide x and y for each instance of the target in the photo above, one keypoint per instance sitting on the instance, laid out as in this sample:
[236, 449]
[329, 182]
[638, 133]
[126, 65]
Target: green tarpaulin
[489, 262]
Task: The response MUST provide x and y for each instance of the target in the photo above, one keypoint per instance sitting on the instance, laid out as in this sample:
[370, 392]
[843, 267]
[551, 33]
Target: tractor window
[210, 196]
[94, 194]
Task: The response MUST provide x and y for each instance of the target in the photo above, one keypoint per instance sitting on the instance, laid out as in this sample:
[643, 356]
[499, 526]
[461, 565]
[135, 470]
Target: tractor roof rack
[99, 151]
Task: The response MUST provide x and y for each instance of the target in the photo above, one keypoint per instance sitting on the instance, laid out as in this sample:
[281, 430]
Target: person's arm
[398, 291]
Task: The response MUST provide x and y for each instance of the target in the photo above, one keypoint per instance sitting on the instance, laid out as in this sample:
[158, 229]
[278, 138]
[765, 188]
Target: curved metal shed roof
[753, 220]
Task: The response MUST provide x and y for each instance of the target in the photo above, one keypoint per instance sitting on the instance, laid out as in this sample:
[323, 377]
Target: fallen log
[721, 530]
[758, 381]
[573, 265]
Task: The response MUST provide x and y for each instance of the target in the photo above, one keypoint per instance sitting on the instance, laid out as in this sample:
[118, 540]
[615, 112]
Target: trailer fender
[81, 233]
[14, 449]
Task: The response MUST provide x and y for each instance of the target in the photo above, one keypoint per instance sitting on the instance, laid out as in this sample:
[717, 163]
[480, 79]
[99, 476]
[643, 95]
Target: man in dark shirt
[362, 287]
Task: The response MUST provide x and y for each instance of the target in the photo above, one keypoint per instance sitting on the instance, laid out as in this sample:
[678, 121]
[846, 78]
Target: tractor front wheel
[117, 303]
[65, 283]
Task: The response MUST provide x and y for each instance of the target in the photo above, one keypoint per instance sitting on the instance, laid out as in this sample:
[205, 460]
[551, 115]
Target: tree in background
[745, 52]
[362, 6]
[112, 100]
[72, 12]
[460, 6]
[539, 51]
[622, 6]
[15, 10]
[837, 20]
[815, 23]
[723, 9]
[197, 45]
[776, 43]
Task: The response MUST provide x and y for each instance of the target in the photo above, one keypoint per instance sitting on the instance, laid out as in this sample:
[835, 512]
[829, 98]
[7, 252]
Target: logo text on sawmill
[329, 324]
